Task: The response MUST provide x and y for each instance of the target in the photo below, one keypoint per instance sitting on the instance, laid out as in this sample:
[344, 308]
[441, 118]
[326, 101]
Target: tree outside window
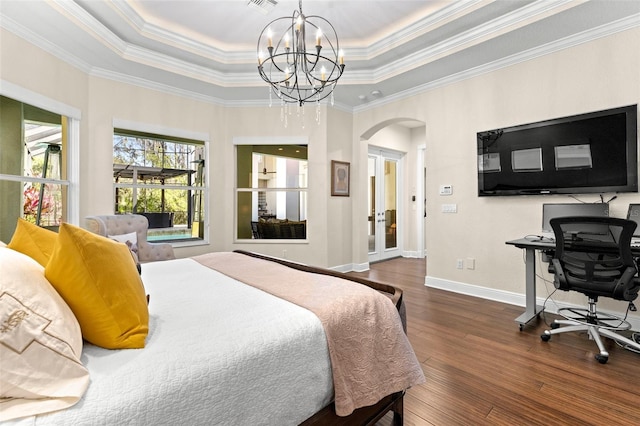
[162, 178]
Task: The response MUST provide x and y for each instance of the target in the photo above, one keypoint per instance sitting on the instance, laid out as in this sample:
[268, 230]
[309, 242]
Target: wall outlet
[459, 264]
[471, 263]
[449, 208]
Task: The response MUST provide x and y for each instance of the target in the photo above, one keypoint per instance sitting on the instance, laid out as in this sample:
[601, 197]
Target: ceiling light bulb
[270, 37]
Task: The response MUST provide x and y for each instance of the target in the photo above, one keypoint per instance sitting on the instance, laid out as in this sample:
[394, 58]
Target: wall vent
[264, 6]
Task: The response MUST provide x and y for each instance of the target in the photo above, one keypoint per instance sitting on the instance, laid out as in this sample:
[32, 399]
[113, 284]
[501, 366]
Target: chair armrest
[151, 252]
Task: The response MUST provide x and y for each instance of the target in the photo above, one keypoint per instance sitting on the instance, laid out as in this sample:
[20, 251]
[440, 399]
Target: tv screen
[588, 153]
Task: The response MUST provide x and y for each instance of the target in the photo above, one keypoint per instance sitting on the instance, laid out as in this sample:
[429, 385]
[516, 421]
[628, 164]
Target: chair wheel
[545, 337]
[555, 325]
[602, 359]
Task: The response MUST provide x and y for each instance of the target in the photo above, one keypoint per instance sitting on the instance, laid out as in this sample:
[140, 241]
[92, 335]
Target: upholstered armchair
[121, 224]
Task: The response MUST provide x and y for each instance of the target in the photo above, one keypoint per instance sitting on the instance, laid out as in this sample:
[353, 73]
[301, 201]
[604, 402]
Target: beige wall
[594, 76]
[103, 102]
[588, 77]
[338, 225]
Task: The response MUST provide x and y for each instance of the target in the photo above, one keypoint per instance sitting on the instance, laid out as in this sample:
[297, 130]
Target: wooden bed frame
[365, 415]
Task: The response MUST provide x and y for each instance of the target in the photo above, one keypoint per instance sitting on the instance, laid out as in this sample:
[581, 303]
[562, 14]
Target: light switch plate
[446, 190]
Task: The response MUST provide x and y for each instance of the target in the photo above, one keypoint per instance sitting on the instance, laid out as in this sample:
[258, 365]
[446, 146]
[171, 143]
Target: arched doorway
[395, 152]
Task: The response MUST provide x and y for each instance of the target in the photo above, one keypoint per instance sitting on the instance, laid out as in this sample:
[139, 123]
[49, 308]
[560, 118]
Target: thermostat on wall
[446, 190]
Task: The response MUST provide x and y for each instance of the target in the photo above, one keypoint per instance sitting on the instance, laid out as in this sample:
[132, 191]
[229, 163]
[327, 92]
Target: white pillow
[40, 343]
[131, 240]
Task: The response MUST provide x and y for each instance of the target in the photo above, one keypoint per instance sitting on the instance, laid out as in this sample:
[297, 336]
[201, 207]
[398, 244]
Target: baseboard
[414, 254]
[351, 267]
[363, 267]
[511, 298]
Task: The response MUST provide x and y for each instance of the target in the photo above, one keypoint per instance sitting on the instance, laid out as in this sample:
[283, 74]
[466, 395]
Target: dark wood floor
[481, 370]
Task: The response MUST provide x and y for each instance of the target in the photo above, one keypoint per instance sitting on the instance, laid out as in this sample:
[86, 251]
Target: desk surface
[546, 244]
[537, 243]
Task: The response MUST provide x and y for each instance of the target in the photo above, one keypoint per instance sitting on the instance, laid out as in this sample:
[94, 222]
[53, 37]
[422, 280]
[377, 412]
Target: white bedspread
[218, 352]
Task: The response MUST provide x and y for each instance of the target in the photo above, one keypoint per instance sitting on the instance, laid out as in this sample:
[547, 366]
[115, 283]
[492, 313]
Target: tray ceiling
[206, 49]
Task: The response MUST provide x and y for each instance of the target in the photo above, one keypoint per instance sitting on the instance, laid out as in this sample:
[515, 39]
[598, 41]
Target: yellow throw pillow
[34, 241]
[98, 279]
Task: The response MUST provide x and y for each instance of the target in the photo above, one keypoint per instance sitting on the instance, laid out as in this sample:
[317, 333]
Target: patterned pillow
[40, 342]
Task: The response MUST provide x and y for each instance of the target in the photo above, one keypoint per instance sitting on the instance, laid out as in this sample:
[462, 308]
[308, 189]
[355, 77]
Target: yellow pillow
[34, 241]
[98, 279]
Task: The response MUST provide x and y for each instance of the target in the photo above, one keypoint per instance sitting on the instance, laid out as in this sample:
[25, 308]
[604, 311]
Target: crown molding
[44, 44]
[162, 35]
[488, 30]
[205, 74]
[154, 85]
[91, 25]
[621, 25]
[167, 63]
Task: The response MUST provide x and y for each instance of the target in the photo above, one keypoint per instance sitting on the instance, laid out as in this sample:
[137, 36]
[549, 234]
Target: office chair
[593, 256]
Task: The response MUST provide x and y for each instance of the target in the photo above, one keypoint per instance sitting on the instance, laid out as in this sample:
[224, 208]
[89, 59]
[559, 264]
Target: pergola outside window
[162, 178]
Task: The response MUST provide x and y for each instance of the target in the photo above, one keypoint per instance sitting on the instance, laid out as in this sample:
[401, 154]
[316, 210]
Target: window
[33, 161]
[162, 178]
[272, 192]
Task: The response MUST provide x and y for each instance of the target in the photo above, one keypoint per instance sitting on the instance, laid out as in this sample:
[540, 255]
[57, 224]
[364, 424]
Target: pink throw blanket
[371, 356]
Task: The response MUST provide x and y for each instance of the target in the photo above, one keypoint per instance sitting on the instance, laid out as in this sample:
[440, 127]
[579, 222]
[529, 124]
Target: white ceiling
[206, 49]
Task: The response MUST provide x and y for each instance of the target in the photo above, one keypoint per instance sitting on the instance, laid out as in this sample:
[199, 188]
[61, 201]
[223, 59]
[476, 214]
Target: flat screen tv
[588, 153]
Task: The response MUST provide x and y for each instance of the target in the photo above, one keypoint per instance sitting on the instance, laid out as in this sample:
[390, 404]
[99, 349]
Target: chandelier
[295, 74]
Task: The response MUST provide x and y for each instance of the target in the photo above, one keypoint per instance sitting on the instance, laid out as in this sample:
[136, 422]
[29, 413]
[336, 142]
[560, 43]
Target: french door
[384, 224]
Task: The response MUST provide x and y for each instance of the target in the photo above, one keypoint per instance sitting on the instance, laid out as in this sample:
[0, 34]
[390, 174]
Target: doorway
[384, 219]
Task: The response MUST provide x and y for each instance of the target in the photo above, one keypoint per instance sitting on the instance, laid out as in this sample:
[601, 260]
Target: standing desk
[532, 310]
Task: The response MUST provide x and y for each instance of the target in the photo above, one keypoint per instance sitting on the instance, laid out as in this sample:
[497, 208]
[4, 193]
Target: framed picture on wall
[340, 175]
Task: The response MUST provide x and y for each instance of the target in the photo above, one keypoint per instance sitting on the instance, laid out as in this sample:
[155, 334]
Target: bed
[224, 346]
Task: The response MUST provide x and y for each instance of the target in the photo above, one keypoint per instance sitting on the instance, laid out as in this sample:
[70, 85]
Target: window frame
[278, 140]
[172, 135]
[70, 158]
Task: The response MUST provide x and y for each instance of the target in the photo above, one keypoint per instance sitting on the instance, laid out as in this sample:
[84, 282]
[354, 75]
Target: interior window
[162, 178]
[272, 192]
[33, 176]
